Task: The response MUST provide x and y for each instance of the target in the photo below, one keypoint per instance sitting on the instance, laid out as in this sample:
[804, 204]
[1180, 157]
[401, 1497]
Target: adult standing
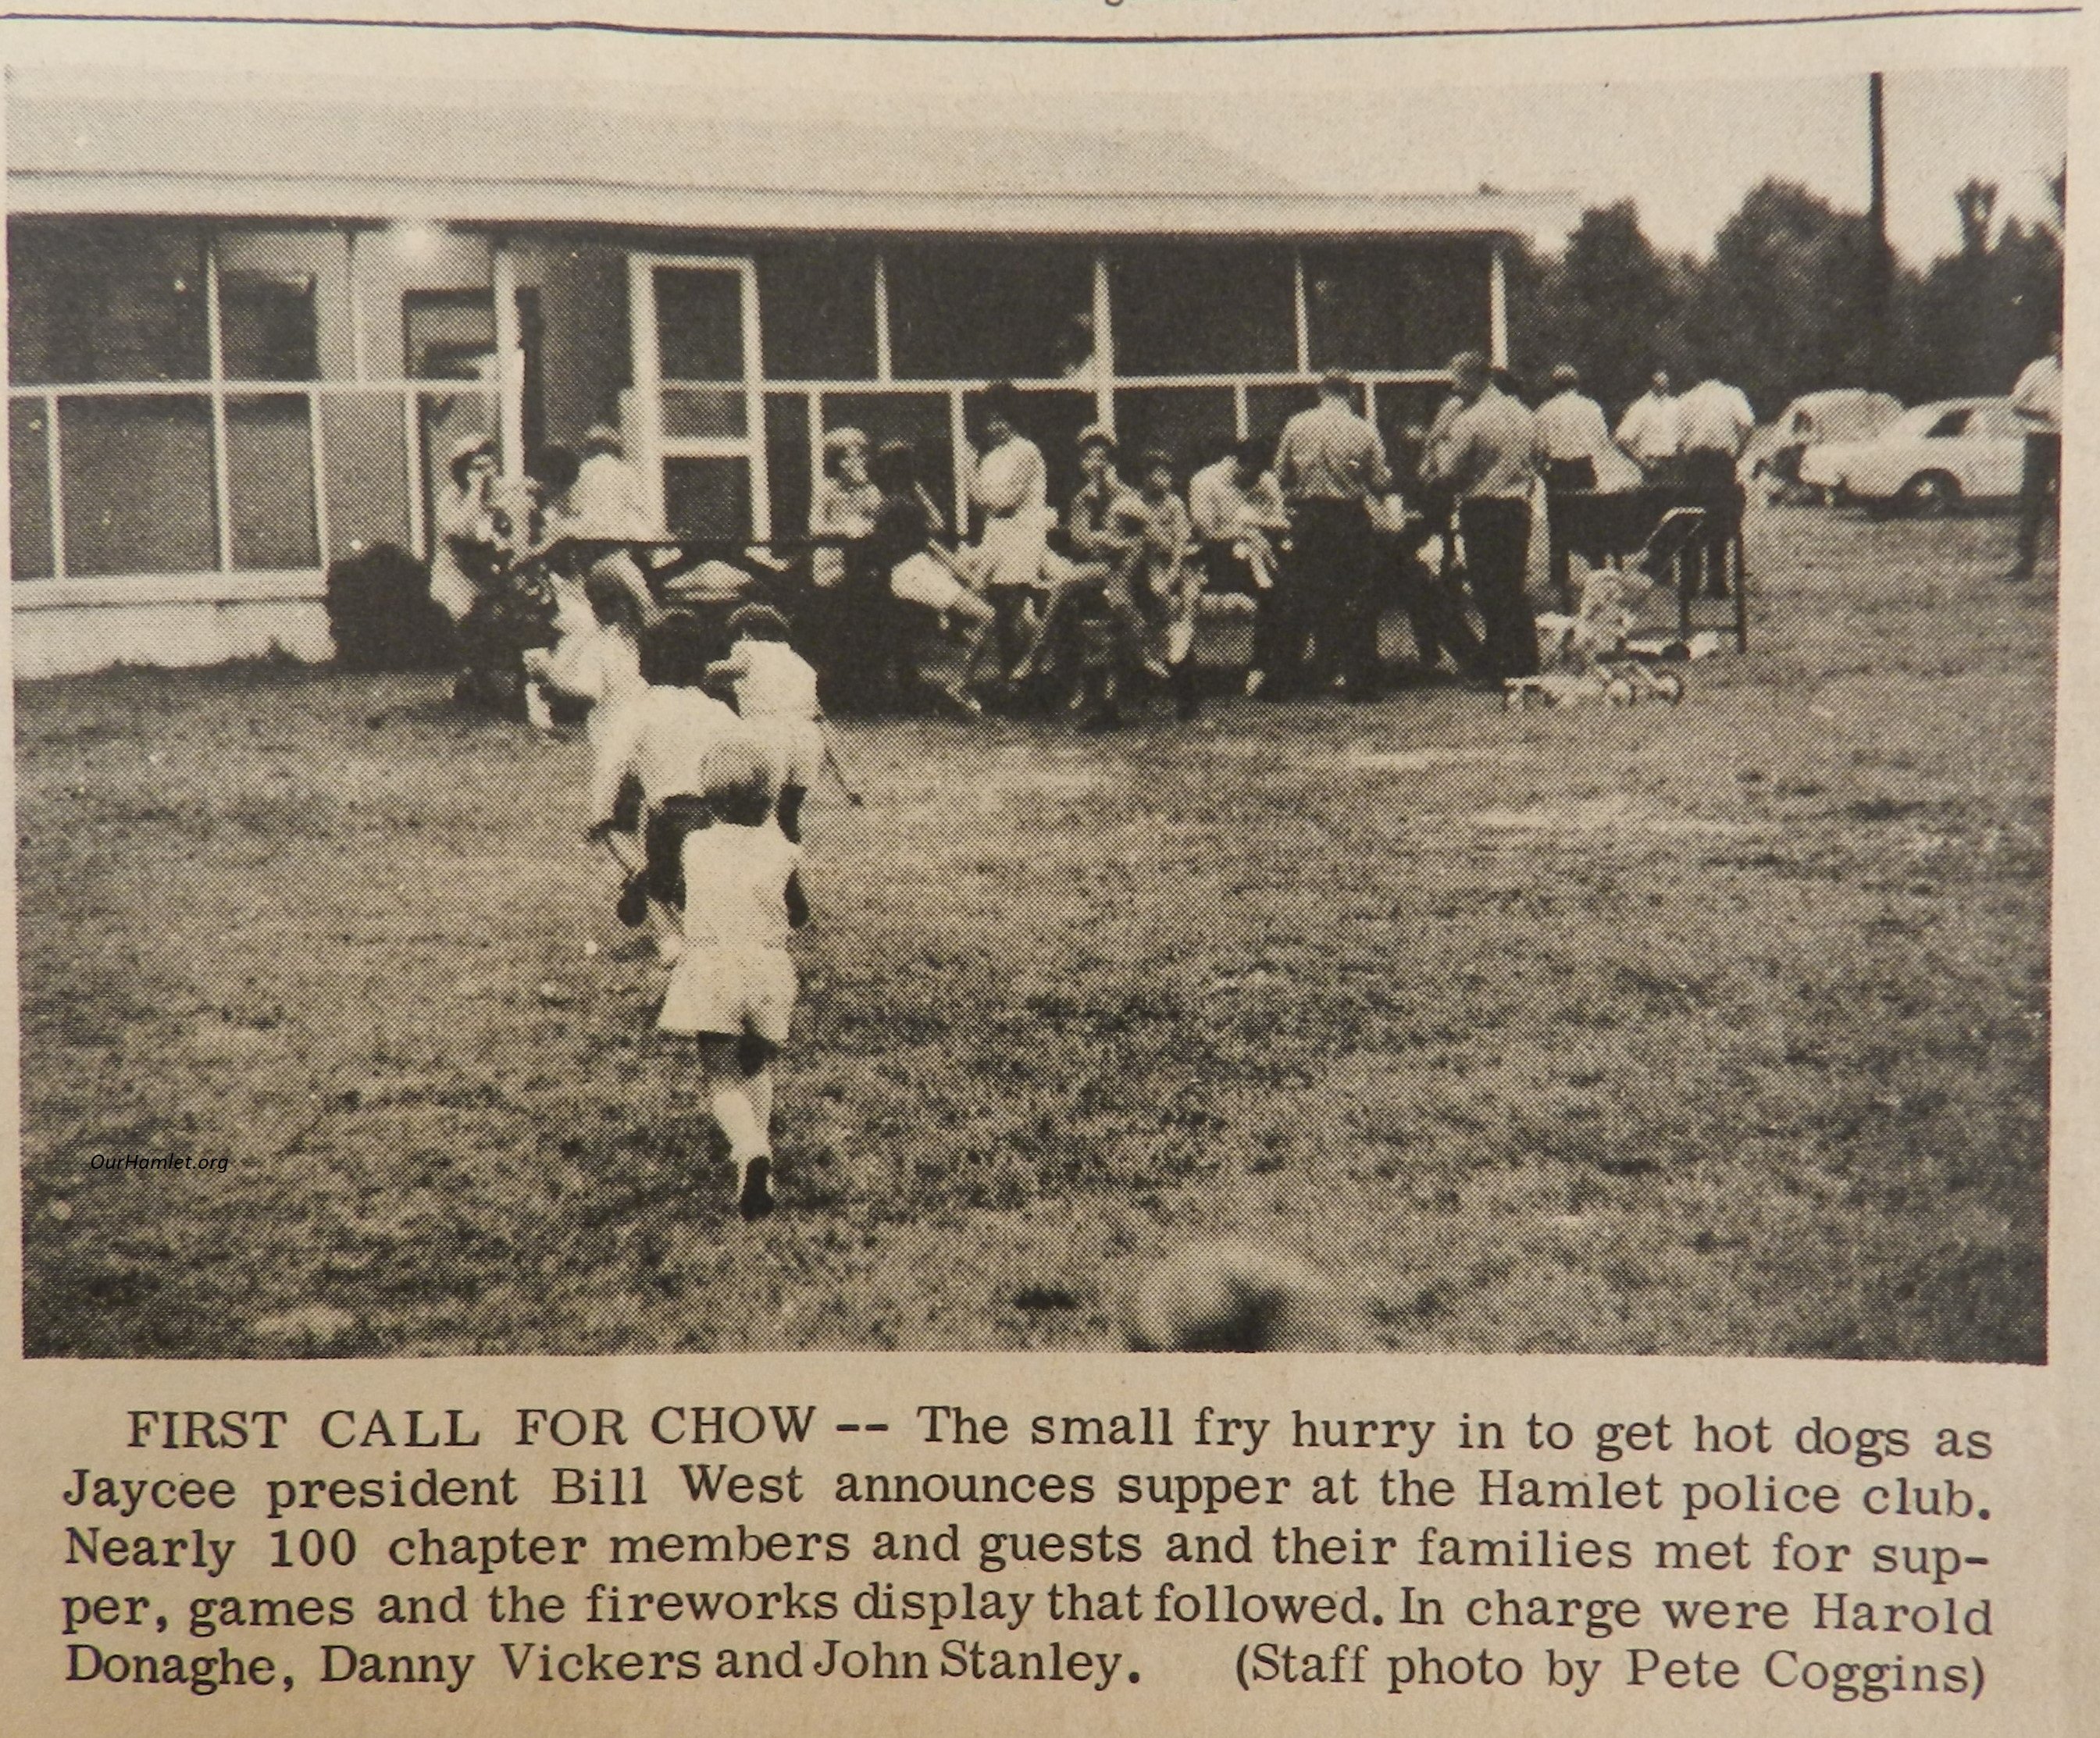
[1714, 425]
[469, 556]
[1648, 432]
[2038, 402]
[607, 499]
[1331, 465]
[606, 502]
[1574, 440]
[1011, 490]
[1488, 456]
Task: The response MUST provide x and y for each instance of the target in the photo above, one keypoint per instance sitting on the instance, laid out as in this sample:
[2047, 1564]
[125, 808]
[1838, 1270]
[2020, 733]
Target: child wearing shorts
[776, 695]
[734, 987]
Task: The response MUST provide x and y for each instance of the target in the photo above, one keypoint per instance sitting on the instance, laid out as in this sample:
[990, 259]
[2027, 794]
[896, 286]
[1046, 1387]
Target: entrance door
[702, 415]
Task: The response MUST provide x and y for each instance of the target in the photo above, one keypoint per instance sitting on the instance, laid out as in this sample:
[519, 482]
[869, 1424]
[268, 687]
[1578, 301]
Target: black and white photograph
[655, 714]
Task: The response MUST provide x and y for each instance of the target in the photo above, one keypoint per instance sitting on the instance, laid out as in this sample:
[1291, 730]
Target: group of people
[699, 767]
[490, 529]
[1320, 527]
[1128, 559]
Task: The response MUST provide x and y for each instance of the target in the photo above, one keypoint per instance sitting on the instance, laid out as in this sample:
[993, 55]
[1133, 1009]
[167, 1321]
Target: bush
[381, 614]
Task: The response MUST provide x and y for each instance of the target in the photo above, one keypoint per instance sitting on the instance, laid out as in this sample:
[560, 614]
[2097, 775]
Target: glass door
[698, 402]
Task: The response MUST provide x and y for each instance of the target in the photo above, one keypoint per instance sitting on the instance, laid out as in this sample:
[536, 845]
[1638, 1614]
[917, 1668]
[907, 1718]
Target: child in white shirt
[598, 659]
[776, 695]
[734, 987]
[659, 739]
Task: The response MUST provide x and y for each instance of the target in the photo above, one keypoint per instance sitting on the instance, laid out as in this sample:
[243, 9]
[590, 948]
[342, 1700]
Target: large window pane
[449, 334]
[106, 299]
[816, 305]
[1395, 305]
[707, 498]
[920, 418]
[699, 324]
[138, 485]
[266, 328]
[988, 310]
[1203, 310]
[362, 446]
[29, 490]
[787, 476]
[1192, 424]
[269, 445]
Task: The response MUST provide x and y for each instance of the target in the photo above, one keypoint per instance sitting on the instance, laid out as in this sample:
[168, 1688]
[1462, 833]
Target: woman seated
[901, 561]
[843, 505]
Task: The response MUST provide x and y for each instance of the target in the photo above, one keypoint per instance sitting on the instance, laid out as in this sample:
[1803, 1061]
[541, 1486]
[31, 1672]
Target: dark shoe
[632, 909]
[1100, 723]
[757, 1200]
[2015, 575]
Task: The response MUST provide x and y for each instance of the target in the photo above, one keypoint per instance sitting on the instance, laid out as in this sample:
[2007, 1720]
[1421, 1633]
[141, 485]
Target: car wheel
[1931, 495]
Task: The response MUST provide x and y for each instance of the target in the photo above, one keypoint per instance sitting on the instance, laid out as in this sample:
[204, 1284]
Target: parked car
[1845, 413]
[1930, 460]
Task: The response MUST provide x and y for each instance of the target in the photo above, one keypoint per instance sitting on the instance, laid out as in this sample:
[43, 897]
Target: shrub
[381, 614]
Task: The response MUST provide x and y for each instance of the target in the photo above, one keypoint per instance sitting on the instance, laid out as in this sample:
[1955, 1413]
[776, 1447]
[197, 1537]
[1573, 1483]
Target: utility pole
[1880, 273]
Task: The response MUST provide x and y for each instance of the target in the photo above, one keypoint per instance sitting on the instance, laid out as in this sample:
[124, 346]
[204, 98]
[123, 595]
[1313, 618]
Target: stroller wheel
[1670, 685]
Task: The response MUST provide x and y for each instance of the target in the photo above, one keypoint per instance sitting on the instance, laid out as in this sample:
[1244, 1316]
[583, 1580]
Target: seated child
[734, 987]
[658, 739]
[776, 695]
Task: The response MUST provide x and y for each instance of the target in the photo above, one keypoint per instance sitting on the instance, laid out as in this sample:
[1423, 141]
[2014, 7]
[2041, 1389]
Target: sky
[1685, 151]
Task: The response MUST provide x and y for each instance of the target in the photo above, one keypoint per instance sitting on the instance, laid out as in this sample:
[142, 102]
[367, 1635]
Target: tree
[1610, 304]
[1978, 315]
[1785, 305]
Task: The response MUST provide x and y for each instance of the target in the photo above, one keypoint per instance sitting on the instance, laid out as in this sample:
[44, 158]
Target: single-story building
[246, 325]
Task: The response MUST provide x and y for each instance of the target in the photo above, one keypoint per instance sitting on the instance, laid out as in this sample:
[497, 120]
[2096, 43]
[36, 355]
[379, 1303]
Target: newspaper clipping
[1125, 867]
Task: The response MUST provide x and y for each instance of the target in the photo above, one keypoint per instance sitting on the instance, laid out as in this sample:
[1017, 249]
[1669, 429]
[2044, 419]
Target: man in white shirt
[1331, 465]
[1574, 440]
[1488, 455]
[1715, 422]
[2038, 402]
[1648, 432]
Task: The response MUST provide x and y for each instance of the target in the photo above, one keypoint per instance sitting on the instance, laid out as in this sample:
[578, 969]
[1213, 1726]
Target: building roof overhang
[388, 157]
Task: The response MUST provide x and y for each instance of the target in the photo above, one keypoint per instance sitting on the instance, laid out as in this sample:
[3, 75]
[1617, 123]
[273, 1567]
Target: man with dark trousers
[1331, 464]
[1489, 455]
[2038, 402]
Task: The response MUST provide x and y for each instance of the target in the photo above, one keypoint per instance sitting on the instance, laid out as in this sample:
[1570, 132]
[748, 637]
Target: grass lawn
[1718, 1028]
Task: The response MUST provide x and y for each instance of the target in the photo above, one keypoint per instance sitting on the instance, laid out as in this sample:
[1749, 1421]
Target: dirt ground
[1719, 1029]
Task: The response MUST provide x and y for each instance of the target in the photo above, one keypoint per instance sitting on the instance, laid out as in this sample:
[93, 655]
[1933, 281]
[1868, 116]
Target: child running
[734, 987]
[776, 695]
[596, 662]
[659, 739]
